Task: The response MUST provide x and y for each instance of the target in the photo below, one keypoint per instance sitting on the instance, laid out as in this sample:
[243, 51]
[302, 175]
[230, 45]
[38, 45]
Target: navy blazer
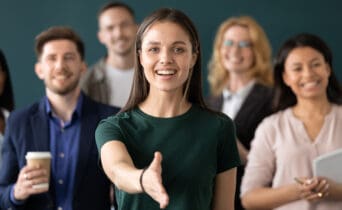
[28, 130]
[257, 105]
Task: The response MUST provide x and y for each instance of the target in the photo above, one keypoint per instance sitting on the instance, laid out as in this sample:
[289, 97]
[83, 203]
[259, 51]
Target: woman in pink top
[308, 124]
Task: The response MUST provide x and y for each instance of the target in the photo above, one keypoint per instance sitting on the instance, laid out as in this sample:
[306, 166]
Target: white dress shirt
[232, 102]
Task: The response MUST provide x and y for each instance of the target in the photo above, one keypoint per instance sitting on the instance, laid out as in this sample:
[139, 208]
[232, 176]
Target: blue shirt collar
[77, 111]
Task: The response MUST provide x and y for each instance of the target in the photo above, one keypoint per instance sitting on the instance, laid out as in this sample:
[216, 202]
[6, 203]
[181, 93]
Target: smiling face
[306, 73]
[236, 50]
[60, 66]
[117, 30]
[166, 56]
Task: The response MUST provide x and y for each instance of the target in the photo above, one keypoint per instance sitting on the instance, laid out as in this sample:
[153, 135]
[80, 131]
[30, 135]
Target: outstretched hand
[152, 181]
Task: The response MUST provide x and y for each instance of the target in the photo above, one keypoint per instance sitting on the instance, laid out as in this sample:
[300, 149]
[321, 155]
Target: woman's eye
[178, 50]
[296, 69]
[153, 50]
[69, 57]
[316, 64]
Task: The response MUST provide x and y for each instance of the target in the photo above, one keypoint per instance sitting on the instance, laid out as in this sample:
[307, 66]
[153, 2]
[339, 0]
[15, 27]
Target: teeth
[61, 77]
[166, 72]
[235, 60]
[310, 84]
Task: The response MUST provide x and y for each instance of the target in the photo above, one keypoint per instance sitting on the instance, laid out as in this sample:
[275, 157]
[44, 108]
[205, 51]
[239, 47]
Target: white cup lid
[37, 155]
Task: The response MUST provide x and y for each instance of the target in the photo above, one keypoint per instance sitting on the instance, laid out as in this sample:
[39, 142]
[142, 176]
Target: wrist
[14, 200]
[141, 180]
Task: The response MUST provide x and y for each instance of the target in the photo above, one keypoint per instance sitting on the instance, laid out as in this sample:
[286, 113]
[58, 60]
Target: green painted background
[21, 21]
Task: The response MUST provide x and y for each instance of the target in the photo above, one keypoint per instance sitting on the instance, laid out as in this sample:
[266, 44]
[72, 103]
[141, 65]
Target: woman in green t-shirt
[166, 119]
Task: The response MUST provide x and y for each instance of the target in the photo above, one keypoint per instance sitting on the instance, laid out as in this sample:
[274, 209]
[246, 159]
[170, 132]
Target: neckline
[174, 118]
[301, 125]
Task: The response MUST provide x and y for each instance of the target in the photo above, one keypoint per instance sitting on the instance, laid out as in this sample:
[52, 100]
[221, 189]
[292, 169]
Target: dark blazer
[28, 130]
[254, 109]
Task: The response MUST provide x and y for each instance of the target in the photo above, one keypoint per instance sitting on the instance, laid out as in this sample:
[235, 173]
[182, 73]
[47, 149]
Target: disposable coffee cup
[42, 159]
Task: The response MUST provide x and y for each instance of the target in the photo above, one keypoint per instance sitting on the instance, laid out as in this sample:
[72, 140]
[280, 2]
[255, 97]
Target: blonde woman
[240, 77]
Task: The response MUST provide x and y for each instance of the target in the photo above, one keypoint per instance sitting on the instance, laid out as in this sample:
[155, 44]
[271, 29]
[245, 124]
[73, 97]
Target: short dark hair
[193, 86]
[6, 98]
[115, 4]
[284, 96]
[57, 33]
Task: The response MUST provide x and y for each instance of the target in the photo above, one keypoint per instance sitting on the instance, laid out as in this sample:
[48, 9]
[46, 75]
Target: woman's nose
[166, 57]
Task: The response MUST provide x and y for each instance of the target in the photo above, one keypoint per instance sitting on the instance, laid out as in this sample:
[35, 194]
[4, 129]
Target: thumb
[156, 162]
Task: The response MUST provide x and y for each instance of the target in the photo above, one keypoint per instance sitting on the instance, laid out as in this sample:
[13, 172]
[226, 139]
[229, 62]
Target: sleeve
[108, 130]
[10, 168]
[228, 155]
[86, 81]
[260, 167]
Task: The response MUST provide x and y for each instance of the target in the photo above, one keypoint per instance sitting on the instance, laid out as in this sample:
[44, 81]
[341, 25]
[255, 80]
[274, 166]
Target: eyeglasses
[240, 44]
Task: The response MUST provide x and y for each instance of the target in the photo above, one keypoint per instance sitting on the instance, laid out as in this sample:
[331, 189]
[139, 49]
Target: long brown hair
[193, 87]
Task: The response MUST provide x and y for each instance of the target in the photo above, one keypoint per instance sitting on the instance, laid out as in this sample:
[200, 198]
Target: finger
[36, 174]
[156, 162]
[40, 180]
[321, 185]
[159, 194]
[29, 168]
[164, 200]
[305, 194]
[312, 197]
[37, 190]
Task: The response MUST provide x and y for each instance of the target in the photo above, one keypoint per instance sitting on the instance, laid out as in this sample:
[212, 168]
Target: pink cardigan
[282, 150]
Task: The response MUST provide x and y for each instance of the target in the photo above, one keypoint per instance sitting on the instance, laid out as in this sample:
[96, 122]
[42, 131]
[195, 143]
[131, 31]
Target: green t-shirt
[196, 146]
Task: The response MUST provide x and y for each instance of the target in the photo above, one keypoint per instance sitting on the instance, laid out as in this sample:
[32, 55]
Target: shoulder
[214, 102]
[262, 90]
[22, 114]
[90, 104]
[100, 64]
[95, 72]
[277, 120]
[337, 111]
[211, 118]
[337, 108]
[120, 121]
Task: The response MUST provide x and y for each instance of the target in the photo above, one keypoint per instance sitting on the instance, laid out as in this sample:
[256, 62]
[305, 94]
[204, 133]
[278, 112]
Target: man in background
[63, 123]
[109, 80]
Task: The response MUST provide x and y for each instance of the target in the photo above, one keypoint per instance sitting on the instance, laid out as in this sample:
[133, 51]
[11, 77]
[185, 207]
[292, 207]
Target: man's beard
[120, 51]
[62, 90]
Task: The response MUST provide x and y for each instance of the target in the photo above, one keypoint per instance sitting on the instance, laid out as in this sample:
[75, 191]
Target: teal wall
[21, 21]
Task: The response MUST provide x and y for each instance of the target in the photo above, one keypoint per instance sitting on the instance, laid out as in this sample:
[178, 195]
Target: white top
[282, 150]
[120, 82]
[232, 102]
[6, 114]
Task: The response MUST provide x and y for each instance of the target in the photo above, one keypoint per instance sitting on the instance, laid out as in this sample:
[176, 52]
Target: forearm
[243, 152]
[224, 193]
[120, 168]
[270, 198]
[126, 177]
[335, 192]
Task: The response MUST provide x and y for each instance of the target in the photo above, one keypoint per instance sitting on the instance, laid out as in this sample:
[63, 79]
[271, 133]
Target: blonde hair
[262, 67]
